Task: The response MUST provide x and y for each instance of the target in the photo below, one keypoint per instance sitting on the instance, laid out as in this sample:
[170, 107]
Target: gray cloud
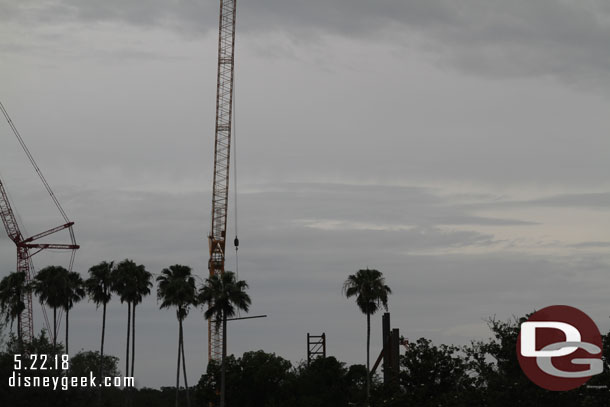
[591, 245]
[480, 220]
[299, 241]
[598, 200]
[342, 97]
[394, 205]
[589, 200]
[567, 40]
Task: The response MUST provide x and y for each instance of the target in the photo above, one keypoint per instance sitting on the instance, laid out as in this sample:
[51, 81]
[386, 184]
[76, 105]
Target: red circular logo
[559, 348]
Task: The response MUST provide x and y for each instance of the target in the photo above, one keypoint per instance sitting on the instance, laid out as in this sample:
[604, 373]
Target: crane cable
[50, 192]
[42, 178]
[31, 158]
[236, 241]
[234, 135]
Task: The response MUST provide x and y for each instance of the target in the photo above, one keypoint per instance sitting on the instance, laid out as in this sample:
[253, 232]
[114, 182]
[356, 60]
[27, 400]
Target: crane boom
[8, 217]
[26, 322]
[222, 149]
[24, 257]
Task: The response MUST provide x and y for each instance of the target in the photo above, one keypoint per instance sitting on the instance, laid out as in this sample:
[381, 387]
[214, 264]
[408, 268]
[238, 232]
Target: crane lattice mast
[222, 149]
[24, 255]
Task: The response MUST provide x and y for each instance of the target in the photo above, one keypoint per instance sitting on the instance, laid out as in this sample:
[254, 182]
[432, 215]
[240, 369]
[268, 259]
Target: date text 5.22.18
[41, 362]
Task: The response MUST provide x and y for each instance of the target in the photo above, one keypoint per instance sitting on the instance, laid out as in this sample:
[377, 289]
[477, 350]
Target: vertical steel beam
[26, 325]
[386, 344]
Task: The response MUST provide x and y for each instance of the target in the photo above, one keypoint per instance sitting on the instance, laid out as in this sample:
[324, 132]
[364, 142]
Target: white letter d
[528, 338]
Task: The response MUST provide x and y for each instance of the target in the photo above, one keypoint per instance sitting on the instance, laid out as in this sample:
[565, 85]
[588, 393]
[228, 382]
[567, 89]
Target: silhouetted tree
[371, 292]
[49, 285]
[86, 362]
[12, 291]
[433, 375]
[224, 295]
[132, 283]
[98, 286]
[176, 288]
[74, 291]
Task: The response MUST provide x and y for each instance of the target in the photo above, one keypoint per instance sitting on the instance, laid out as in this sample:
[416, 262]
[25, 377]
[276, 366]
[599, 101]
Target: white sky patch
[329, 224]
[554, 230]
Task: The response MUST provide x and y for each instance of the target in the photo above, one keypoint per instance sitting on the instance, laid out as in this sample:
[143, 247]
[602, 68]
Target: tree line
[483, 373]
[59, 289]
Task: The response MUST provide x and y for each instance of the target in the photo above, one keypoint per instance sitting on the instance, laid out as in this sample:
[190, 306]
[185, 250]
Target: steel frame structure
[222, 153]
[316, 346]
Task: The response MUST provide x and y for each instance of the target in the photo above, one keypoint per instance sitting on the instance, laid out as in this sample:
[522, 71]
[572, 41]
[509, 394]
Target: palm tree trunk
[368, 347]
[128, 329]
[102, 354]
[102, 345]
[55, 329]
[133, 336]
[222, 363]
[186, 383]
[67, 314]
[19, 335]
[178, 363]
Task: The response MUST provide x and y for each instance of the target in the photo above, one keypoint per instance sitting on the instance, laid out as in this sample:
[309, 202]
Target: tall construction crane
[222, 153]
[24, 245]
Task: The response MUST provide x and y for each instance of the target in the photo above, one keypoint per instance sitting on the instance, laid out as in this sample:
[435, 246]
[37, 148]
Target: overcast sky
[460, 147]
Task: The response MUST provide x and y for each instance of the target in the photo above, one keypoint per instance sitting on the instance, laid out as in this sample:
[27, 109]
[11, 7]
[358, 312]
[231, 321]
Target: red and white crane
[222, 154]
[27, 247]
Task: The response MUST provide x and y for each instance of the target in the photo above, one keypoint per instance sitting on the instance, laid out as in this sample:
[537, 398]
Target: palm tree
[132, 283]
[142, 286]
[74, 292]
[98, 287]
[223, 294]
[12, 290]
[49, 285]
[121, 286]
[176, 288]
[371, 292]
